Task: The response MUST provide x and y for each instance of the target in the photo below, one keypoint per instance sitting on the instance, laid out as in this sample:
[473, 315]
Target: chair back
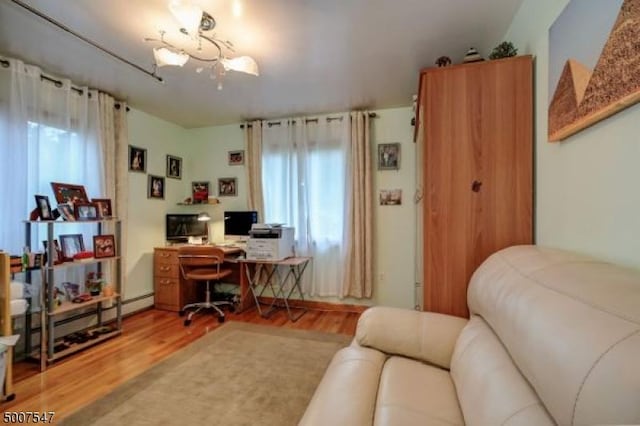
[200, 257]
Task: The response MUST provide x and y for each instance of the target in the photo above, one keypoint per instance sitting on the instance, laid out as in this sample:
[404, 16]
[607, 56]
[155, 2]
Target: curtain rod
[86, 40]
[308, 120]
[6, 64]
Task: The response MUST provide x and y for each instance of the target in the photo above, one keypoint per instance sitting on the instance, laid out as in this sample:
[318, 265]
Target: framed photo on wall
[137, 159]
[174, 167]
[227, 187]
[155, 188]
[200, 192]
[388, 156]
[236, 158]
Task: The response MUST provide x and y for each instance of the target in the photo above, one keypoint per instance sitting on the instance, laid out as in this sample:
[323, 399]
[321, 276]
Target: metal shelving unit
[48, 309]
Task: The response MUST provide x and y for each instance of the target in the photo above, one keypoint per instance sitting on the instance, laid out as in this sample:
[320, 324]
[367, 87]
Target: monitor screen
[179, 227]
[238, 224]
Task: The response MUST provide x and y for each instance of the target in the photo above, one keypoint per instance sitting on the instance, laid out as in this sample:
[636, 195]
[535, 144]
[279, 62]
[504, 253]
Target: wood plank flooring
[148, 338]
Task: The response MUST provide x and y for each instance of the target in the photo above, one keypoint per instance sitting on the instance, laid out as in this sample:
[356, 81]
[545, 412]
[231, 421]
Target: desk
[172, 291]
[267, 274]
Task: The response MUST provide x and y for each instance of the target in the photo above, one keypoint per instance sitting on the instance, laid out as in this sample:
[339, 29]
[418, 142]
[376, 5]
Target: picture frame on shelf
[86, 211]
[104, 246]
[174, 167]
[69, 193]
[199, 192]
[137, 159]
[227, 187]
[155, 187]
[57, 252]
[104, 207]
[71, 244]
[66, 212]
[236, 158]
[44, 208]
[389, 156]
[71, 290]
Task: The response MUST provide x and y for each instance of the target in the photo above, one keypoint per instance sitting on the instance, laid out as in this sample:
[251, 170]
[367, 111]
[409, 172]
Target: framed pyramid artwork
[594, 64]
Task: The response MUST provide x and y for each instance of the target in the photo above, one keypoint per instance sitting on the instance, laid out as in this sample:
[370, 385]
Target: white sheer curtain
[49, 132]
[305, 185]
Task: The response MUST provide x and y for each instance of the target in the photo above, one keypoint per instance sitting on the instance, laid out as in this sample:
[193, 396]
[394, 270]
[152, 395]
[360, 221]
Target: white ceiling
[314, 55]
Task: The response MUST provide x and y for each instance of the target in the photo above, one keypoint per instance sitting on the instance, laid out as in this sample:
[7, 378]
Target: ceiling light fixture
[195, 23]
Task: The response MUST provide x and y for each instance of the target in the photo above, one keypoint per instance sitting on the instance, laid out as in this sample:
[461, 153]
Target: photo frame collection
[227, 187]
[73, 204]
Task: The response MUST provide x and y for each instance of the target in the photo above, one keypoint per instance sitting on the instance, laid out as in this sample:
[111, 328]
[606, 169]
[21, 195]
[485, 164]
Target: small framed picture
[236, 158]
[227, 187]
[137, 159]
[200, 192]
[57, 252]
[104, 246]
[104, 207]
[85, 211]
[71, 244]
[390, 197]
[66, 211]
[388, 156]
[44, 208]
[155, 188]
[174, 167]
[69, 193]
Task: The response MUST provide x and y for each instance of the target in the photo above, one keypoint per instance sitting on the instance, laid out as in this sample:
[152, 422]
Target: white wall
[208, 158]
[146, 216]
[587, 198]
[394, 225]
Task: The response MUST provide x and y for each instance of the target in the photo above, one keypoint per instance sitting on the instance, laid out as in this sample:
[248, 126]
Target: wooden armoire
[475, 123]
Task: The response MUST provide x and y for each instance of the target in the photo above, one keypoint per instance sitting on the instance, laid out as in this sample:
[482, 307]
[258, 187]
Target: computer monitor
[238, 224]
[179, 227]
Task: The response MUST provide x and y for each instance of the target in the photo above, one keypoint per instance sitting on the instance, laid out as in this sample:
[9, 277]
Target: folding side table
[282, 277]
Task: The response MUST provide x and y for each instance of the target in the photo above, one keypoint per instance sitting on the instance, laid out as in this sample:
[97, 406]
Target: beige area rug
[240, 374]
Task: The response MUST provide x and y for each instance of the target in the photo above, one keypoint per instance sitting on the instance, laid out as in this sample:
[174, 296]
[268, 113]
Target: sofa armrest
[425, 336]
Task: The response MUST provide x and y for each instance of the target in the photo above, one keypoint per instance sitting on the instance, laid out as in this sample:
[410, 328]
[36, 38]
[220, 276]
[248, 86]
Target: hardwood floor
[148, 338]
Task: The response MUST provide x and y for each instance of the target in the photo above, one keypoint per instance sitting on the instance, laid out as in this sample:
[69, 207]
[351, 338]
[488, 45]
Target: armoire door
[477, 133]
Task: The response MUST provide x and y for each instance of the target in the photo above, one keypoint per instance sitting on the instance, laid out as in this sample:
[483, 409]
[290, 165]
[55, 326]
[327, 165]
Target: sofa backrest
[571, 325]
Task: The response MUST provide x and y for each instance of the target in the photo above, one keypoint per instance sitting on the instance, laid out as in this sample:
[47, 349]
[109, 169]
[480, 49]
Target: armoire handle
[475, 186]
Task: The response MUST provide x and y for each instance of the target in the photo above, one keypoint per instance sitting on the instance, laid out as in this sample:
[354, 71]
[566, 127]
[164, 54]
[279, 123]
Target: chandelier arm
[191, 55]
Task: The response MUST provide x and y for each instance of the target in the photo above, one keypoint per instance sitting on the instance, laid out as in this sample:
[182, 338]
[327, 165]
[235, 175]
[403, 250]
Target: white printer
[270, 242]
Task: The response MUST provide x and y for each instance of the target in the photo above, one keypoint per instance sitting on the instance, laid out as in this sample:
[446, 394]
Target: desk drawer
[166, 270]
[166, 256]
[167, 293]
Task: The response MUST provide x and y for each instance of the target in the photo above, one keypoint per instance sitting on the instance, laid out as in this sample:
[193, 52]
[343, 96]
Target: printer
[270, 242]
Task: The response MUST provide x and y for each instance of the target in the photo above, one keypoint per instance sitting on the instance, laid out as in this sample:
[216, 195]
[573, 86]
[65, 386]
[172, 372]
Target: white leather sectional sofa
[553, 338]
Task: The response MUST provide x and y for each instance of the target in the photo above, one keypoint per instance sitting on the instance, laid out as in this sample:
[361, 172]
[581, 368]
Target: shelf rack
[49, 310]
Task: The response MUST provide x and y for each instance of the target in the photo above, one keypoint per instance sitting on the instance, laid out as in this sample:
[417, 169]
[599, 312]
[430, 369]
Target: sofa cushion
[346, 394]
[572, 326]
[414, 393]
[490, 388]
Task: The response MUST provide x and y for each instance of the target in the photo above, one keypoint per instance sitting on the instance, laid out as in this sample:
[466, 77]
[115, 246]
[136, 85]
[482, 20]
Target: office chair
[202, 263]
